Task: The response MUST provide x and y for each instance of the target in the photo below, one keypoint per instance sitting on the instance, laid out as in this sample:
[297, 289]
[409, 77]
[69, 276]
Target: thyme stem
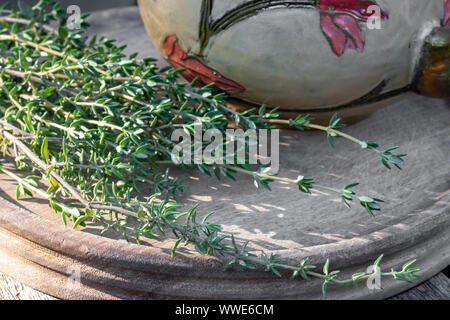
[97, 125]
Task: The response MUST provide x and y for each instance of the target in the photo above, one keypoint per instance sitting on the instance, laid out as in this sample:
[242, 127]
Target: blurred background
[121, 22]
[85, 5]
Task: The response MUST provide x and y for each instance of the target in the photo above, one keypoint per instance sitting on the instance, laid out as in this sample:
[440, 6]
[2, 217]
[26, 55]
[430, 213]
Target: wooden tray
[37, 250]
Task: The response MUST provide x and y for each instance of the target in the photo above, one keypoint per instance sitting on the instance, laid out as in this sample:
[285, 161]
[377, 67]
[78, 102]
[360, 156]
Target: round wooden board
[38, 251]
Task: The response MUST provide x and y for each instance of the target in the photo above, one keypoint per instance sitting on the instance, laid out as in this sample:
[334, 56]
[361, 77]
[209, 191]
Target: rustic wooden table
[437, 288]
[124, 25]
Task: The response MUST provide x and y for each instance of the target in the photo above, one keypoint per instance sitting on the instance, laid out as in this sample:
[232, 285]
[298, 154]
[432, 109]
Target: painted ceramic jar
[306, 55]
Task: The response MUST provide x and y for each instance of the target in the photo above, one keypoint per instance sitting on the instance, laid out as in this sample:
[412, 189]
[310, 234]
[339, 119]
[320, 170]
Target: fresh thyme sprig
[94, 126]
[306, 122]
[205, 236]
[305, 184]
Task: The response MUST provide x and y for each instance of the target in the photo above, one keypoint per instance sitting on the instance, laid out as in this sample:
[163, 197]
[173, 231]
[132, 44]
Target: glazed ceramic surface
[298, 55]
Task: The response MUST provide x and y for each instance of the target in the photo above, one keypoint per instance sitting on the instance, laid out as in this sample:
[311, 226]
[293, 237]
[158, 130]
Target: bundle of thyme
[94, 127]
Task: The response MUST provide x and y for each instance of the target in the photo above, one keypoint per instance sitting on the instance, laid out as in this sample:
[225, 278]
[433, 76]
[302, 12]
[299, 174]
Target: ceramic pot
[307, 55]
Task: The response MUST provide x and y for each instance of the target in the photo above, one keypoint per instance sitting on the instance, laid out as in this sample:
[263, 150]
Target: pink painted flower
[339, 21]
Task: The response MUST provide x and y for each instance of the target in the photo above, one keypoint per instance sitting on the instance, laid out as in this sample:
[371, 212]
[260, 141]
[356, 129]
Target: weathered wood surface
[10, 289]
[437, 288]
[126, 27]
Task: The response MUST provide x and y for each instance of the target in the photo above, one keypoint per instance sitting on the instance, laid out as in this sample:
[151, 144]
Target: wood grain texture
[10, 289]
[229, 199]
[437, 288]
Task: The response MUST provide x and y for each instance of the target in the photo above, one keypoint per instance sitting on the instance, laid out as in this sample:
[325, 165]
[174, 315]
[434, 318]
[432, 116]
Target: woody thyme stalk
[94, 126]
